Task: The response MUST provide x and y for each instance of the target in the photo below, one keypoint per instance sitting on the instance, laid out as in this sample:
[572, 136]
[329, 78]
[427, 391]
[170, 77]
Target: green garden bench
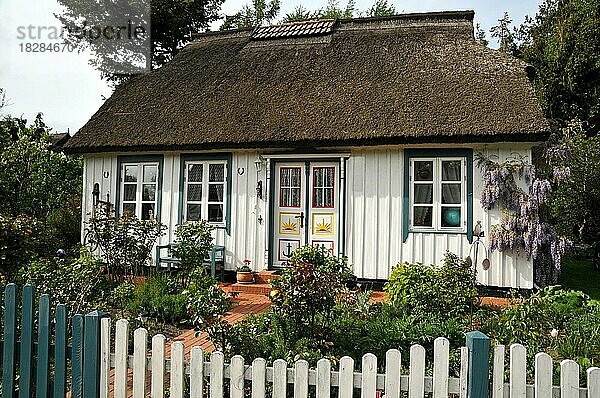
[216, 256]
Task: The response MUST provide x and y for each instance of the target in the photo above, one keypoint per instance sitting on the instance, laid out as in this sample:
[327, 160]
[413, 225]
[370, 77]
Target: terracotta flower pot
[245, 277]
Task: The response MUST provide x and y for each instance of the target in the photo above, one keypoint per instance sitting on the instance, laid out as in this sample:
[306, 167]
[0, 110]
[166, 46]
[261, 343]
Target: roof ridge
[466, 15]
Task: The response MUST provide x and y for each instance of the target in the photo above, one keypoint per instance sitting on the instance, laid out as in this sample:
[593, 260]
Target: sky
[68, 91]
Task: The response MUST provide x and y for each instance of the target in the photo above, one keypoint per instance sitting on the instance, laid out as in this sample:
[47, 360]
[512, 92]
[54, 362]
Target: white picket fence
[543, 387]
[298, 378]
[143, 365]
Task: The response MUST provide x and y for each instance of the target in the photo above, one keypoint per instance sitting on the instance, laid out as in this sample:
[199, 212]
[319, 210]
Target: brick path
[245, 303]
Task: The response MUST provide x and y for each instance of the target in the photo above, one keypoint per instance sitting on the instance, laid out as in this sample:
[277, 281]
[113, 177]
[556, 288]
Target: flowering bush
[521, 227]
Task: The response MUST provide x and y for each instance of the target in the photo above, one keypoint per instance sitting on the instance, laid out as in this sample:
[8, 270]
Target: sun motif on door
[322, 223]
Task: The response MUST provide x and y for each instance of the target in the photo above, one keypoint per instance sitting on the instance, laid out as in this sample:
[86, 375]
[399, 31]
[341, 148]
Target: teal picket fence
[45, 358]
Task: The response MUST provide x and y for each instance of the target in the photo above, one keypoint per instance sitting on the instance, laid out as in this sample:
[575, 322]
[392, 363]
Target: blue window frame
[139, 185]
[438, 191]
[205, 188]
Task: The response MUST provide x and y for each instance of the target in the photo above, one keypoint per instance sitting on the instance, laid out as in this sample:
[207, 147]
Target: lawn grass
[578, 273]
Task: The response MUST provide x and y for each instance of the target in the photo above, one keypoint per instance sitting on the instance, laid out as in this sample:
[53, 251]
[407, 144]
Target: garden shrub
[161, 298]
[18, 243]
[193, 242]
[121, 296]
[307, 291]
[428, 289]
[78, 283]
[206, 301]
[529, 321]
[126, 242]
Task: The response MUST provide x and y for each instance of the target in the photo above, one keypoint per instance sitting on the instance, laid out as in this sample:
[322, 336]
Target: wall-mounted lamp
[259, 163]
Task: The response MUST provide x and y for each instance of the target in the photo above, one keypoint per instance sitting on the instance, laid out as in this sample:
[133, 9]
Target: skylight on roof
[294, 29]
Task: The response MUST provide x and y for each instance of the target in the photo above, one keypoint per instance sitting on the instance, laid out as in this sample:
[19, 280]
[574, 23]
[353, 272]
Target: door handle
[301, 217]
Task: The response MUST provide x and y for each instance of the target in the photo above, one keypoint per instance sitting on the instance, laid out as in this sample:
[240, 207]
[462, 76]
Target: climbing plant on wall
[513, 187]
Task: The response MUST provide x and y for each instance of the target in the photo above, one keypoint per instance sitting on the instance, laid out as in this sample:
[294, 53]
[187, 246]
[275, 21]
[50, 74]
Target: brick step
[251, 288]
[264, 277]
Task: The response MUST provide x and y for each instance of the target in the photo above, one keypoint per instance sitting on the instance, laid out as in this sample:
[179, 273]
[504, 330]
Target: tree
[381, 8]
[334, 11]
[480, 36]
[505, 36]
[300, 14]
[577, 197]
[260, 12]
[40, 189]
[562, 43]
[172, 25]
[564, 47]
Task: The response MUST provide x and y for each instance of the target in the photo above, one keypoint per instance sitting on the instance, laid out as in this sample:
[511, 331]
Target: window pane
[450, 216]
[129, 192]
[215, 193]
[285, 197]
[423, 216]
[129, 208]
[423, 193]
[150, 173]
[328, 197]
[131, 173]
[147, 211]
[329, 176]
[423, 171]
[194, 212]
[284, 179]
[318, 197]
[295, 198]
[451, 170]
[451, 194]
[194, 172]
[295, 177]
[215, 213]
[216, 172]
[194, 192]
[149, 192]
[318, 177]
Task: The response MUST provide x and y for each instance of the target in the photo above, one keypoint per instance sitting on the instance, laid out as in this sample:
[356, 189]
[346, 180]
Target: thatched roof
[414, 78]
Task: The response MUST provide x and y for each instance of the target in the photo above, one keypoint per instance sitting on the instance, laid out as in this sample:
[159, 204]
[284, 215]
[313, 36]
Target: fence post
[91, 354]
[479, 364]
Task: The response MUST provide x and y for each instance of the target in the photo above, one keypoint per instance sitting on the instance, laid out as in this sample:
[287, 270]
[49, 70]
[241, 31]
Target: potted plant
[244, 273]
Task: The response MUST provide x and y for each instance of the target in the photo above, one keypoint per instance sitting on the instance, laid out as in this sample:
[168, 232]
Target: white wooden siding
[375, 185]
[374, 214]
[246, 238]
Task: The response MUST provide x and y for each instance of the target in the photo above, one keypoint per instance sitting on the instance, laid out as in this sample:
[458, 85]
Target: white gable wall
[374, 200]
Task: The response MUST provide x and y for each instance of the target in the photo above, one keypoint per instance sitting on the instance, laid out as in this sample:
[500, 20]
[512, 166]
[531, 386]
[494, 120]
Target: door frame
[271, 161]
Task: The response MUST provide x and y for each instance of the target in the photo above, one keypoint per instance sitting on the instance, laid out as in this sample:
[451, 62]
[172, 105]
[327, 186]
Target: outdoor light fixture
[259, 163]
[259, 166]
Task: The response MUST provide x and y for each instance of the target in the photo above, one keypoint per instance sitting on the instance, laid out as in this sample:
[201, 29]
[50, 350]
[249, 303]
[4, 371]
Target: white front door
[306, 208]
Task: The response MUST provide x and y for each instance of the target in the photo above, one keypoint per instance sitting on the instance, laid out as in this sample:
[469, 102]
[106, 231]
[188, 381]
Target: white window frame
[139, 187]
[205, 190]
[437, 195]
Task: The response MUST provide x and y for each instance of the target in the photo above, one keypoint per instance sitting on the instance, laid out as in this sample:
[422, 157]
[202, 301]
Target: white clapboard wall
[149, 368]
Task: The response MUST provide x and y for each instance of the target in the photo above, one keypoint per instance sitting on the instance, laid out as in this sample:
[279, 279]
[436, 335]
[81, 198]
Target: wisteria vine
[521, 228]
